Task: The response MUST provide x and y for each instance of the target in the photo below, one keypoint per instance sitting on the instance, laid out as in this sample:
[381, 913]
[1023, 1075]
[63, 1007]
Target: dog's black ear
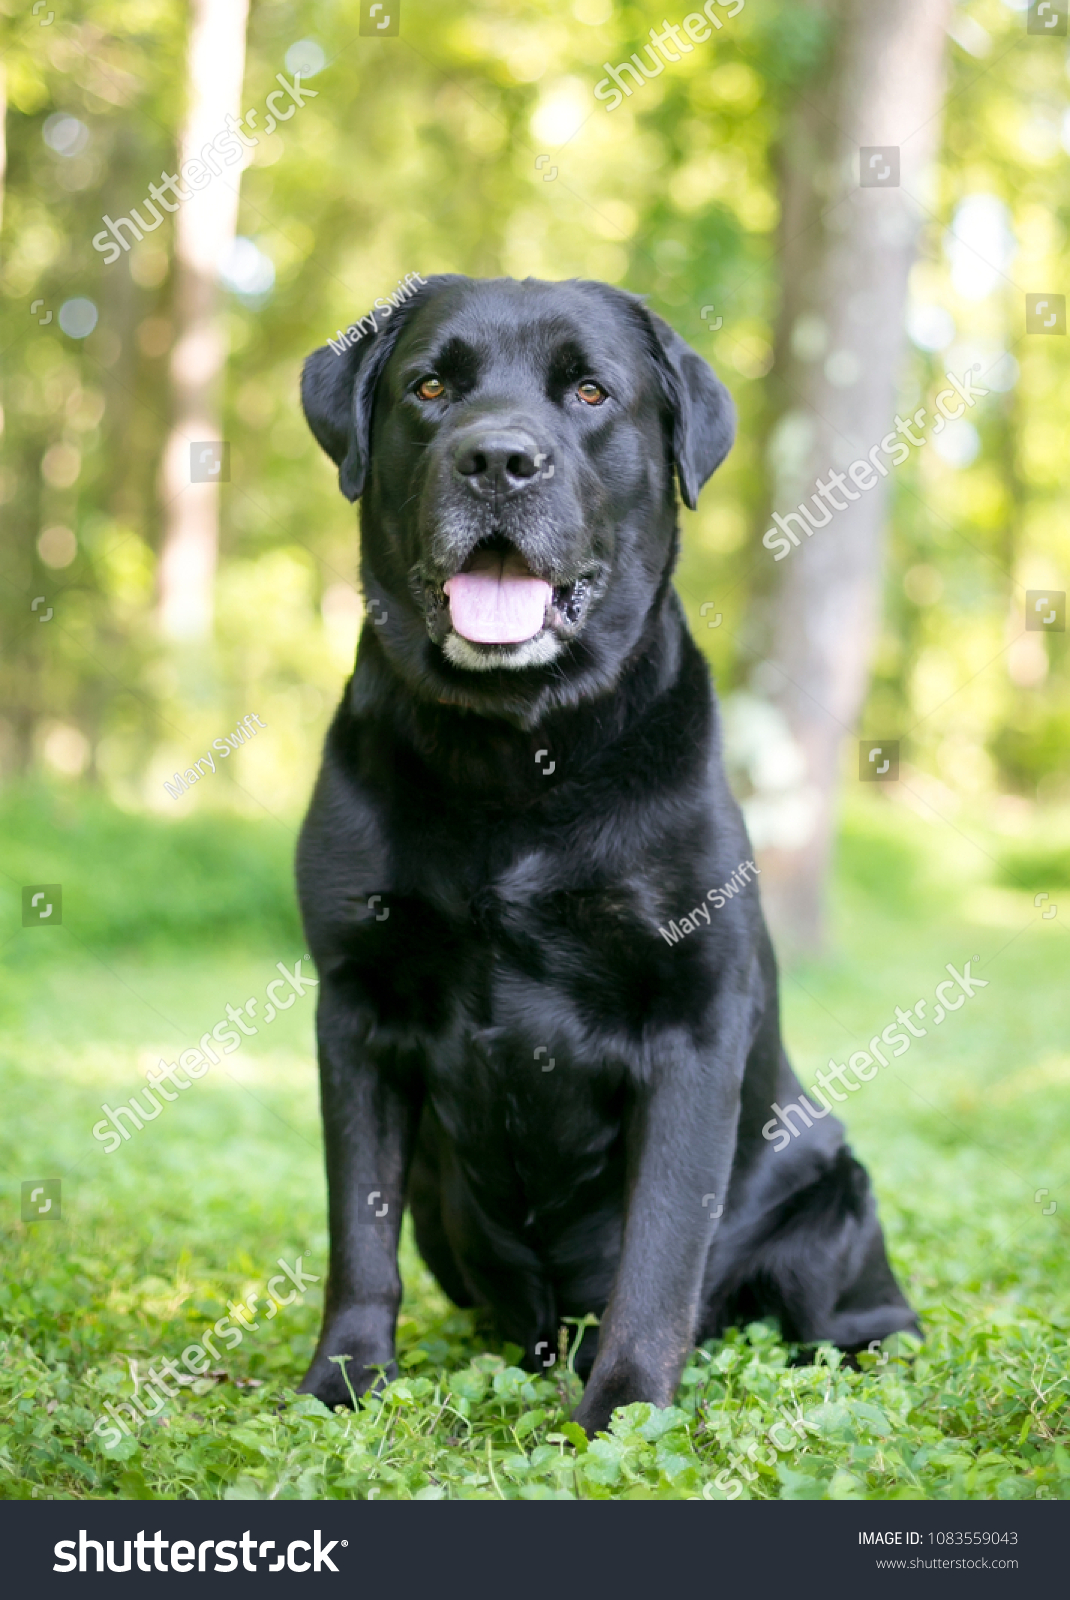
[337, 389]
[704, 415]
[338, 386]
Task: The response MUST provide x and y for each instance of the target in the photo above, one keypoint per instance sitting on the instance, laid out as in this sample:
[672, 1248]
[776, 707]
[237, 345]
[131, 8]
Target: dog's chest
[530, 1095]
[546, 967]
[525, 1005]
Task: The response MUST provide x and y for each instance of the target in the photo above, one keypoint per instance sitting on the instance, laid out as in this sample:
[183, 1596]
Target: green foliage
[133, 880]
[882, 858]
[978, 1414]
[1037, 868]
[965, 1138]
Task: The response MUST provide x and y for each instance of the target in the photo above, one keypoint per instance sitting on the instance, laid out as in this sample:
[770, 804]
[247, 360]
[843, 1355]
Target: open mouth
[497, 600]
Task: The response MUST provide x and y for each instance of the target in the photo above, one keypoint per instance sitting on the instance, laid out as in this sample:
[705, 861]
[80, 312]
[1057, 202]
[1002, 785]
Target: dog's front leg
[369, 1119]
[681, 1140]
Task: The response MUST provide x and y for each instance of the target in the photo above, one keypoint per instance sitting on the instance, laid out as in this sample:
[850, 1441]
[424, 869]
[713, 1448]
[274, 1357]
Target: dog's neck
[510, 761]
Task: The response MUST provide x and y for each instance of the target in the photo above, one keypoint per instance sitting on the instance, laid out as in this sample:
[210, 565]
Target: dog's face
[515, 444]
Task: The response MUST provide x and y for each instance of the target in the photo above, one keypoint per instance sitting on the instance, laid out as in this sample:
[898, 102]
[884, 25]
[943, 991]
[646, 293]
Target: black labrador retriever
[522, 786]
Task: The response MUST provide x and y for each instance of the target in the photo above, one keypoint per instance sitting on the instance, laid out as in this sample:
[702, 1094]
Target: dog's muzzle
[495, 611]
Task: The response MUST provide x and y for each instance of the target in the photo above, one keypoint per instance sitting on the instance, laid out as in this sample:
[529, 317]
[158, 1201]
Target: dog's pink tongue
[498, 601]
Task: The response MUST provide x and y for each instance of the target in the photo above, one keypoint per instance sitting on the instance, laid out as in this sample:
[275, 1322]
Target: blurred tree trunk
[204, 230]
[846, 255]
[3, 137]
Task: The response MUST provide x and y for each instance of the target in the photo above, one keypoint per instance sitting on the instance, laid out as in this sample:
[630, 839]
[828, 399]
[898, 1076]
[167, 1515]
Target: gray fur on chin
[534, 652]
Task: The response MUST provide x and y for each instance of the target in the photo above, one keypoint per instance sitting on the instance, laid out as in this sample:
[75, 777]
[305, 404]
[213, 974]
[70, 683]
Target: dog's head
[515, 444]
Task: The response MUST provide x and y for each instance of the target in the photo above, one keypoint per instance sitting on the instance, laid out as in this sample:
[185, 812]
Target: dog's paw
[593, 1418]
[621, 1386]
[325, 1378]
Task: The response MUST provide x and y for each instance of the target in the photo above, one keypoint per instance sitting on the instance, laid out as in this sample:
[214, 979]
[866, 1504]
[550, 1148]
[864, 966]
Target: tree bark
[204, 229]
[846, 255]
[3, 137]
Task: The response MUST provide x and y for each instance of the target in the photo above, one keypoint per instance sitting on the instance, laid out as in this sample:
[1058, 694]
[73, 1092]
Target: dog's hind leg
[819, 1266]
[872, 1306]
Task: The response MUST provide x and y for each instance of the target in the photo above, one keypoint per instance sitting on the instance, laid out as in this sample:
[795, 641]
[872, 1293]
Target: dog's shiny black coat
[507, 1043]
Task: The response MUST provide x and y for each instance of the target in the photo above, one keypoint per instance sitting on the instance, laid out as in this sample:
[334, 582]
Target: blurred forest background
[472, 142]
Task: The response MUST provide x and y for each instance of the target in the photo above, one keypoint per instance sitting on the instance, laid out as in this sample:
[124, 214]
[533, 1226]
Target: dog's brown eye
[592, 393]
[431, 389]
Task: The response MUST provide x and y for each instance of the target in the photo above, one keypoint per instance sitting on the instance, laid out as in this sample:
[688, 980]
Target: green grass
[960, 1135]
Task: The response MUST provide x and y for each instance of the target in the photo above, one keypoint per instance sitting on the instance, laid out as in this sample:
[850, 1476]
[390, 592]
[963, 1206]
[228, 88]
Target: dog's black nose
[499, 461]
